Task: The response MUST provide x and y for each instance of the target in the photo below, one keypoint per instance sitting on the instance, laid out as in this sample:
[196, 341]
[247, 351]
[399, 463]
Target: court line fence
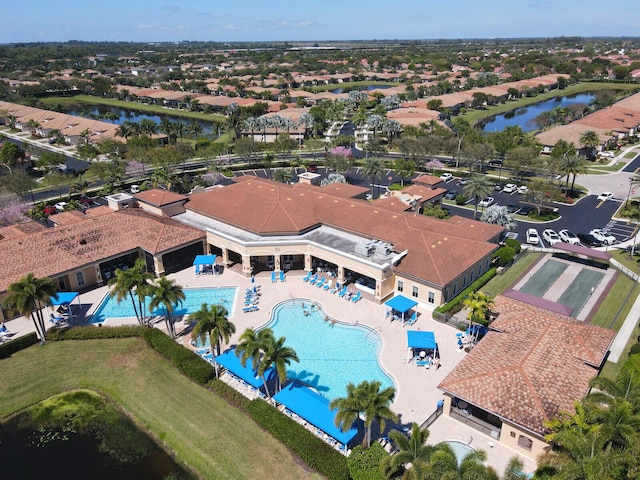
[634, 276]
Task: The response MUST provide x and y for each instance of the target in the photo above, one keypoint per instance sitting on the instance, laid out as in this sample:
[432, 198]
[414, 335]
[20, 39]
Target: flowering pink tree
[342, 151]
[13, 212]
[135, 168]
[433, 165]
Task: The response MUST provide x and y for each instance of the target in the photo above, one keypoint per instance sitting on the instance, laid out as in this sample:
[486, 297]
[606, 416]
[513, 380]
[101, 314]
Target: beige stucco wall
[509, 435]
[166, 211]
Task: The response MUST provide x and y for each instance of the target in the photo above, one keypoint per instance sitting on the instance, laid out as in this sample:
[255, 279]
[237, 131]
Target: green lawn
[203, 432]
[500, 283]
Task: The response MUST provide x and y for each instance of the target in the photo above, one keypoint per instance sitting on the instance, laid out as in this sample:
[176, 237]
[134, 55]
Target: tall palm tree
[479, 305]
[367, 400]
[590, 139]
[130, 283]
[279, 357]
[166, 293]
[572, 165]
[373, 168]
[29, 296]
[478, 186]
[252, 346]
[212, 321]
[195, 129]
[282, 175]
[625, 386]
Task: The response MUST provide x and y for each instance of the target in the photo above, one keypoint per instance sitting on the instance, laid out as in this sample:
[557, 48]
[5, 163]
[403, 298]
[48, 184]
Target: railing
[433, 417]
[476, 423]
[634, 276]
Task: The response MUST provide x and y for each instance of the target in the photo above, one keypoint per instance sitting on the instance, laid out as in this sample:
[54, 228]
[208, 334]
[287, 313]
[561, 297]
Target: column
[246, 265]
[276, 263]
[307, 262]
[341, 274]
[158, 266]
[225, 257]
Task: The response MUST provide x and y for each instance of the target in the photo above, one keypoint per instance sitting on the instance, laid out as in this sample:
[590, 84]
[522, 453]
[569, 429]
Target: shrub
[461, 199]
[315, 452]
[230, 394]
[395, 186]
[365, 464]
[12, 346]
[515, 244]
[635, 348]
[88, 332]
[503, 255]
[456, 302]
[187, 361]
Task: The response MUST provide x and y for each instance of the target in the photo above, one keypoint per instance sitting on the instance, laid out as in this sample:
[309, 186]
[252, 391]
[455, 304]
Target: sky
[310, 20]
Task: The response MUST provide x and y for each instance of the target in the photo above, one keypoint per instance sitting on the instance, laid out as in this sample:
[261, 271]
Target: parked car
[550, 236]
[135, 188]
[532, 236]
[607, 154]
[513, 207]
[60, 206]
[445, 177]
[523, 190]
[510, 188]
[589, 240]
[603, 197]
[463, 181]
[568, 236]
[525, 210]
[604, 236]
[49, 210]
[487, 201]
[498, 186]
[451, 194]
[313, 168]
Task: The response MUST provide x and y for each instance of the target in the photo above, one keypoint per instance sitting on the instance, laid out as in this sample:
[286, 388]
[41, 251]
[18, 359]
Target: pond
[523, 117]
[78, 436]
[118, 116]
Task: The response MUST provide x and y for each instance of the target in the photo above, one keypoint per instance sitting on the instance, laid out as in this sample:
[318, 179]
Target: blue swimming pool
[460, 449]
[195, 297]
[330, 356]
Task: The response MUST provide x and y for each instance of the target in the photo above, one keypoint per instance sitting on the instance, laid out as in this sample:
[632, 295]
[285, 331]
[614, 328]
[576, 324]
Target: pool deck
[417, 393]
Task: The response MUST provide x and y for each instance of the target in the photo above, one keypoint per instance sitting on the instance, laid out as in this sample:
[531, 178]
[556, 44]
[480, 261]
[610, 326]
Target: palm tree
[572, 165]
[590, 139]
[282, 175]
[126, 282]
[625, 386]
[279, 357]
[166, 293]
[367, 400]
[195, 129]
[29, 296]
[252, 347]
[373, 168]
[167, 127]
[212, 321]
[478, 186]
[479, 305]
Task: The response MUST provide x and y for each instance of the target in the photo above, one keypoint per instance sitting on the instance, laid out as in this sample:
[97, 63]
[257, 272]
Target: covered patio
[300, 400]
[61, 304]
[399, 306]
[247, 374]
[205, 264]
[423, 348]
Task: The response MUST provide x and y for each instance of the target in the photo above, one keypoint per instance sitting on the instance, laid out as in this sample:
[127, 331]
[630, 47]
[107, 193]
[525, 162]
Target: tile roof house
[532, 364]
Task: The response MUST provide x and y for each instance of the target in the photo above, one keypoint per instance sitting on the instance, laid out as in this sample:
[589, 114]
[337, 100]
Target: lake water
[522, 117]
[125, 114]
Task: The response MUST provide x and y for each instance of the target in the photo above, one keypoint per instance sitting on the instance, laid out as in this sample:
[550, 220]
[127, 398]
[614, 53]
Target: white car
[135, 188]
[532, 236]
[568, 236]
[445, 177]
[60, 206]
[607, 154]
[486, 201]
[523, 190]
[603, 236]
[510, 188]
[551, 236]
[603, 197]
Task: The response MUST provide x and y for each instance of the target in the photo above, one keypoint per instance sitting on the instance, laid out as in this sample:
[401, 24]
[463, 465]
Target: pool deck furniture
[282, 276]
[307, 277]
[411, 320]
[343, 292]
[327, 286]
[311, 279]
[356, 297]
[273, 277]
[335, 289]
[320, 284]
[253, 308]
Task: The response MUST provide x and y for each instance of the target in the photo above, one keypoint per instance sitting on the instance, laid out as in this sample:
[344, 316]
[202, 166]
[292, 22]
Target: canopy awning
[314, 408]
[401, 303]
[205, 259]
[232, 363]
[63, 298]
[421, 340]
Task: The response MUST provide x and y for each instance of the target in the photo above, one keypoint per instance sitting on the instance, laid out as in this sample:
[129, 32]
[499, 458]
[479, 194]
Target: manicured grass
[474, 116]
[631, 154]
[500, 283]
[89, 100]
[207, 435]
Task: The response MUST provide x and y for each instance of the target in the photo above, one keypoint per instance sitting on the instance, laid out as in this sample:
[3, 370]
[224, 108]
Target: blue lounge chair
[335, 289]
[282, 276]
[343, 292]
[411, 320]
[356, 297]
[307, 277]
[314, 279]
[423, 362]
[253, 308]
[310, 277]
[327, 285]
[321, 282]
[273, 277]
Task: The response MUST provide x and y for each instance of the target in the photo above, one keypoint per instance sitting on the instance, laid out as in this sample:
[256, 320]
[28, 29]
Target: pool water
[330, 356]
[460, 449]
[194, 298]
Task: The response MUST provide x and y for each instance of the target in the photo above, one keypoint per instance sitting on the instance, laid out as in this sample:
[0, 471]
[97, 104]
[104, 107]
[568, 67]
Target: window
[61, 284]
[525, 442]
[464, 282]
[431, 297]
[487, 267]
[455, 289]
[80, 279]
[414, 292]
[400, 285]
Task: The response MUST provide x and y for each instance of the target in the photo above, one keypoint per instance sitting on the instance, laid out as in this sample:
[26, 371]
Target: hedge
[474, 287]
[187, 361]
[230, 394]
[314, 451]
[365, 464]
[89, 332]
[12, 346]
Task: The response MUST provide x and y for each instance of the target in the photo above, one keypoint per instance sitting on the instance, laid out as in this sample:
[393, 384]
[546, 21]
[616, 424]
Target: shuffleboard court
[542, 280]
[580, 289]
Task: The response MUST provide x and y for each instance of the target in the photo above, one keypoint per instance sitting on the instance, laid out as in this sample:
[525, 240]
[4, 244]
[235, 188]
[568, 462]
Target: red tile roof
[439, 250]
[159, 198]
[532, 364]
[53, 251]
